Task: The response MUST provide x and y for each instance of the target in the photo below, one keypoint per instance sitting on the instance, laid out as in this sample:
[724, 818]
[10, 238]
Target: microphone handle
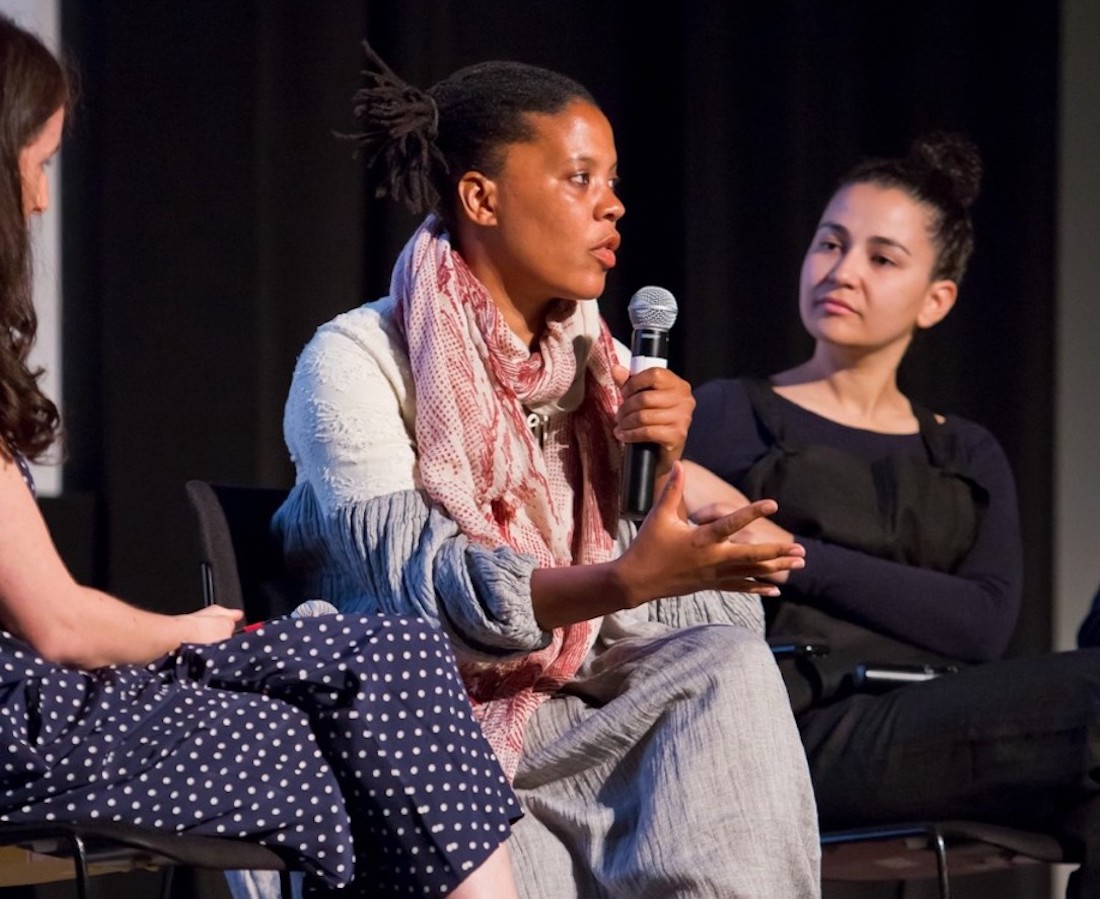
[649, 349]
[639, 473]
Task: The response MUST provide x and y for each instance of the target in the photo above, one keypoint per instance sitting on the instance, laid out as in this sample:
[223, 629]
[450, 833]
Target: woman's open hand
[673, 557]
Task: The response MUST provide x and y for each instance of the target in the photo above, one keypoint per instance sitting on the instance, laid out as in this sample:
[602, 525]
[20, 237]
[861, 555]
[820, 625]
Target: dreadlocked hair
[399, 126]
[943, 171]
[33, 86]
[419, 144]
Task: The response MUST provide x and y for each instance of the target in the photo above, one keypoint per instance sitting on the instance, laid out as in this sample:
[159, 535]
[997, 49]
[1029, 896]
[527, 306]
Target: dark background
[213, 221]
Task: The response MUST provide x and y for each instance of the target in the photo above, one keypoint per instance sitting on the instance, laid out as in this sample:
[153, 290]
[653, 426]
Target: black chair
[96, 847]
[240, 563]
[1088, 634]
[922, 850]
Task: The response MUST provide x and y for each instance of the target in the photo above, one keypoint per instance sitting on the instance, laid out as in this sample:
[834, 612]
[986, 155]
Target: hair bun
[955, 159]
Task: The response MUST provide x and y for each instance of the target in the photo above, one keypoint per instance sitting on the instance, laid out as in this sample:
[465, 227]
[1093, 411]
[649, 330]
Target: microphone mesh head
[313, 608]
[652, 307]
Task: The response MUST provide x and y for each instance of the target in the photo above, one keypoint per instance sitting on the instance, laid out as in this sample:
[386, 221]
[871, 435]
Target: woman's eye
[581, 178]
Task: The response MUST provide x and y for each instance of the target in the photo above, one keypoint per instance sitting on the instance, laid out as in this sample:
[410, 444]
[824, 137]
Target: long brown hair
[33, 86]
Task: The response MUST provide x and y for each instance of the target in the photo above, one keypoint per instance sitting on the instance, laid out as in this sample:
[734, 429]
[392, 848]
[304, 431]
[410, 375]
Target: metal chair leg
[80, 865]
[941, 863]
[166, 881]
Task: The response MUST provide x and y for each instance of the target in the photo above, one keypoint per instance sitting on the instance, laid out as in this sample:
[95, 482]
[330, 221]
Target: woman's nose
[611, 207]
[37, 196]
[845, 270]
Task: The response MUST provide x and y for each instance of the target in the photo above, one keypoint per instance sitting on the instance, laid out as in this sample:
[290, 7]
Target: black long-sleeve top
[967, 614]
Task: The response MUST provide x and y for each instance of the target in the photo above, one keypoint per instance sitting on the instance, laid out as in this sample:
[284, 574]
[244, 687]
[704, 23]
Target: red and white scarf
[475, 381]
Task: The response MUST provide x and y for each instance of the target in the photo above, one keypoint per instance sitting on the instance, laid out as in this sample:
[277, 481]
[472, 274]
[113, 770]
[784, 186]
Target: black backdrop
[212, 221]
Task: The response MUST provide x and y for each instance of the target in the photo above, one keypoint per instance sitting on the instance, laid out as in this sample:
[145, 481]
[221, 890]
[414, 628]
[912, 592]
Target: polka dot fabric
[345, 741]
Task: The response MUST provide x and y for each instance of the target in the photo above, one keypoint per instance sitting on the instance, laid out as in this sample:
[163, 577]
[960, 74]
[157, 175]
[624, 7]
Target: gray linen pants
[670, 767]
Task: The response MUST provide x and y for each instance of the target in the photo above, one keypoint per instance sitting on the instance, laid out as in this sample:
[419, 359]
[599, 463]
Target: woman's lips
[834, 306]
[605, 251]
[605, 255]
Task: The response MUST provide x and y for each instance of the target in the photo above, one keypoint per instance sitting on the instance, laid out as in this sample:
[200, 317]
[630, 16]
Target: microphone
[652, 312]
[311, 608]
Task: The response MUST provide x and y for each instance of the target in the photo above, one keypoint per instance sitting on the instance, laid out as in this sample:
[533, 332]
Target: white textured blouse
[360, 530]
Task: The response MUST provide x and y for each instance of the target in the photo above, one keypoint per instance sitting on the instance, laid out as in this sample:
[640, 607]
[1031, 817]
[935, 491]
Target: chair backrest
[240, 561]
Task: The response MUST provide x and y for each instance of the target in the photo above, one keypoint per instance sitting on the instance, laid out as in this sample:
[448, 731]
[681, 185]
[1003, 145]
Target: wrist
[617, 583]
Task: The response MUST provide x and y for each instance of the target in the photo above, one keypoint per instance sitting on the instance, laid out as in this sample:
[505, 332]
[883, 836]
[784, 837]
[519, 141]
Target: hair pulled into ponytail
[399, 127]
[418, 144]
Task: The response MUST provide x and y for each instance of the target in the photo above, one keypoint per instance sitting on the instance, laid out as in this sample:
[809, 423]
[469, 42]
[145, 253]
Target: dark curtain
[213, 220]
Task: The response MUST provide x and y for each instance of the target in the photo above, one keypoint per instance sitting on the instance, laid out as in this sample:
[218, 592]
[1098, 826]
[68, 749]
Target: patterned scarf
[475, 382]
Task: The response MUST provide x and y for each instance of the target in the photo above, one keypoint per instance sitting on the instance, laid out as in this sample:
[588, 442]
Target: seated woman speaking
[458, 447]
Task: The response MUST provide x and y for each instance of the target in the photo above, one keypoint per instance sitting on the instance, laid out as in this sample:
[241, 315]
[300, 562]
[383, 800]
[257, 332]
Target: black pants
[1015, 742]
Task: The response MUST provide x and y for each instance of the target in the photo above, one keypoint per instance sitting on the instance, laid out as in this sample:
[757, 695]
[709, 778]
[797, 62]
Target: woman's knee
[738, 653]
[382, 627]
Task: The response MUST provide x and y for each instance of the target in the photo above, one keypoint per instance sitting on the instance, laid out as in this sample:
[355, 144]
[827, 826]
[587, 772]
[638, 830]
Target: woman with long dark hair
[332, 740]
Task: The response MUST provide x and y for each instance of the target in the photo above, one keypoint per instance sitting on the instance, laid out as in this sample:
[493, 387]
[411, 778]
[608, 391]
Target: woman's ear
[477, 199]
[939, 300]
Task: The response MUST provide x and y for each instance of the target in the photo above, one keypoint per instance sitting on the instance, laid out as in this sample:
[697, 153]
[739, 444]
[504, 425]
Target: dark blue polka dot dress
[345, 741]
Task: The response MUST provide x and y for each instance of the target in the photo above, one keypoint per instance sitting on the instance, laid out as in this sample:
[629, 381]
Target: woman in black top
[911, 529]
